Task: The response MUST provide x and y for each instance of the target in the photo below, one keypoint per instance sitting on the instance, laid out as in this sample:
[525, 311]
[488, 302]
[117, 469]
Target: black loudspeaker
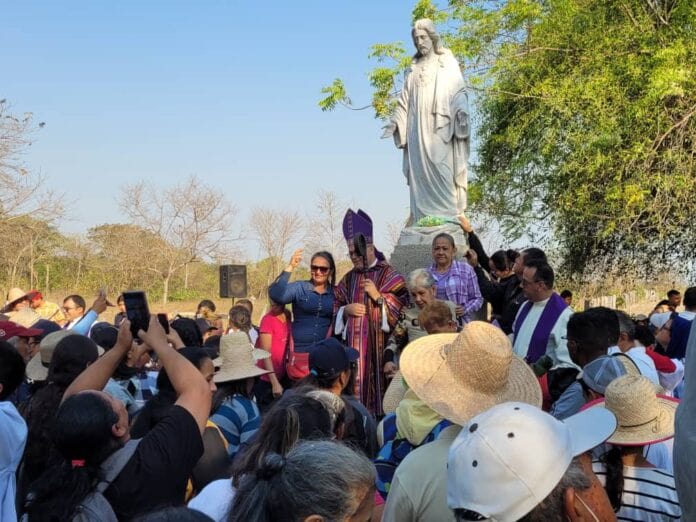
[233, 281]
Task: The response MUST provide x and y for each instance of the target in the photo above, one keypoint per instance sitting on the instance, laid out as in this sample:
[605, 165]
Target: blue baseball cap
[330, 357]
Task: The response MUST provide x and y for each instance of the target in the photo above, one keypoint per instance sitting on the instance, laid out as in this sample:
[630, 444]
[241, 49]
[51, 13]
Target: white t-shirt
[642, 360]
[649, 494]
[215, 500]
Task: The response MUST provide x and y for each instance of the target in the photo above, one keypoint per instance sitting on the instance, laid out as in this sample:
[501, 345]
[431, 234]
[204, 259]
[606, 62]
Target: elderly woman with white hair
[422, 288]
[317, 480]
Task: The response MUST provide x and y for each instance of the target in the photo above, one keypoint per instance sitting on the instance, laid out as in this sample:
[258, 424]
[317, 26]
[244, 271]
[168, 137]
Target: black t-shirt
[157, 474]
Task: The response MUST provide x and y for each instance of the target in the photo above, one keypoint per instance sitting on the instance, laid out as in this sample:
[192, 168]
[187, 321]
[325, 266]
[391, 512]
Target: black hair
[207, 303]
[500, 260]
[174, 514]
[11, 369]
[70, 358]
[291, 418]
[81, 431]
[664, 302]
[644, 336]
[230, 389]
[240, 317]
[544, 272]
[566, 293]
[615, 476]
[533, 254]
[673, 292]
[595, 329]
[690, 297]
[78, 300]
[329, 258]
[188, 331]
[323, 382]
[159, 405]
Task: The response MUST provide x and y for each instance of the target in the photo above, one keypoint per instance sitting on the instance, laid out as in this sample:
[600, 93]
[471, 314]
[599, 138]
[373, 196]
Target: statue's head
[422, 28]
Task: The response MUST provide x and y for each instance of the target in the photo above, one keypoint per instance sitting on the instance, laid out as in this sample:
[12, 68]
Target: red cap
[34, 295]
[9, 329]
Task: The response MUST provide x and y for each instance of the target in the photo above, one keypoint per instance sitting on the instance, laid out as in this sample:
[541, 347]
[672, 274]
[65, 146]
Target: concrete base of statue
[414, 250]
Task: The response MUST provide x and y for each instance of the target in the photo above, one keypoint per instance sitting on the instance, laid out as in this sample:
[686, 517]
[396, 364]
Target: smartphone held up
[137, 311]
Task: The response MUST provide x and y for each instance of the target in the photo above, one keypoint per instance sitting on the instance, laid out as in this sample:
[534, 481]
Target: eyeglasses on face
[320, 269]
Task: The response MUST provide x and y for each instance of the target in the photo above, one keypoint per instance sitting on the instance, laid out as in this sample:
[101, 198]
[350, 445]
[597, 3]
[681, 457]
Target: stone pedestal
[414, 250]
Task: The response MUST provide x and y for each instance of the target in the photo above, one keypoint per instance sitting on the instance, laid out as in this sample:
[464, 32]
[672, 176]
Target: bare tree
[22, 193]
[193, 220]
[325, 225]
[276, 231]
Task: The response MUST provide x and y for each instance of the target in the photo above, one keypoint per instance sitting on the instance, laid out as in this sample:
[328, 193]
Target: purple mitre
[355, 223]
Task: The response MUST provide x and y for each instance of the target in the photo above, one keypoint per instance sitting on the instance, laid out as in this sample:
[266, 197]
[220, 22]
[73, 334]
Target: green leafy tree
[586, 123]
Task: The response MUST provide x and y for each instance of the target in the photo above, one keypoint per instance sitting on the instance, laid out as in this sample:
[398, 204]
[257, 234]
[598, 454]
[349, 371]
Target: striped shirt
[649, 494]
[238, 418]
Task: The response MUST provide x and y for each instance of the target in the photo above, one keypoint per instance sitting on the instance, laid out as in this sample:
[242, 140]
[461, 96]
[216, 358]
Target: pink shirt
[279, 332]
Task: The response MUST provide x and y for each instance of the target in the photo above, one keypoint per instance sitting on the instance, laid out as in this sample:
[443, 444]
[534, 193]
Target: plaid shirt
[459, 285]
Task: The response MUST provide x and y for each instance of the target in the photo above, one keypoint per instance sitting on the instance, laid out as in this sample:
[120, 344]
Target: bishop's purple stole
[540, 337]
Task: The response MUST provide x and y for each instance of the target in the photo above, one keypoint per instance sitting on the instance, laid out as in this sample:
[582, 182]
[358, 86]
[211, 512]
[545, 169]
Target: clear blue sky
[225, 90]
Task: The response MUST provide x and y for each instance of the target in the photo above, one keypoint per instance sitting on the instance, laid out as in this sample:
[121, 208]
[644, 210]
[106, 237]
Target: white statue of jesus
[431, 125]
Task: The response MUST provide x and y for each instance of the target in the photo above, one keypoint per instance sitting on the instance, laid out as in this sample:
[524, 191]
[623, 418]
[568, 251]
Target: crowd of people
[379, 396]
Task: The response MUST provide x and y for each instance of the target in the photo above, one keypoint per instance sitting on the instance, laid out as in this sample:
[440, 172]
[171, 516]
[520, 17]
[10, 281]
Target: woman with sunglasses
[312, 301]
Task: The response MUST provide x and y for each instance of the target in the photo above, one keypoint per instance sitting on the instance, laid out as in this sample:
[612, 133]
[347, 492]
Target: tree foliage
[586, 128]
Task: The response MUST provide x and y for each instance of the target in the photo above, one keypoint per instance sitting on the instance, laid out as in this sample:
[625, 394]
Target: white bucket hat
[508, 459]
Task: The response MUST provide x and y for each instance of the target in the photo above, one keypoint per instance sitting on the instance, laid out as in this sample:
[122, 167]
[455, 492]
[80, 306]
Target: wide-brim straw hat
[643, 416]
[395, 392]
[13, 297]
[37, 367]
[238, 358]
[462, 375]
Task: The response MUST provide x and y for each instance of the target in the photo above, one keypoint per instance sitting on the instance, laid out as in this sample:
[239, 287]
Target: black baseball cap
[330, 357]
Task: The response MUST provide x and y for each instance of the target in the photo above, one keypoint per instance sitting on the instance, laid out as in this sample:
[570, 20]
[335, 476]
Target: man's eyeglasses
[320, 269]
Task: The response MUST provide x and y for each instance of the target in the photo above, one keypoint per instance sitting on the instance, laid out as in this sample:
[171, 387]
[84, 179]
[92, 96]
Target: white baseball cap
[508, 459]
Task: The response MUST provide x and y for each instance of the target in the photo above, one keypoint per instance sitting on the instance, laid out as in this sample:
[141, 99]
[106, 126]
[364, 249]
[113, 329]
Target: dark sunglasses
[320, 269]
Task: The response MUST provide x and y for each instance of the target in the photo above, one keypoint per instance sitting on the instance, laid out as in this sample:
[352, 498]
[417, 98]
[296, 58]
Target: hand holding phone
[164, 321]
[137, 311]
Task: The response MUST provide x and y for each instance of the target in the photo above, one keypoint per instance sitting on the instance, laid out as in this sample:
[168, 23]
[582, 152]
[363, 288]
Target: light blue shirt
[13, 437]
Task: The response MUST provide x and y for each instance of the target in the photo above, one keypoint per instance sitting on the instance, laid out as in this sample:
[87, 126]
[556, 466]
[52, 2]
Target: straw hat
[238, 358]
[37, 367]
[643, 417]
[13, 296]
[461, 375]
[395, 392]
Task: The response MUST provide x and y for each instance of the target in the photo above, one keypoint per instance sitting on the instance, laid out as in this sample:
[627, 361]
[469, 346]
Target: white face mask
[588, 508]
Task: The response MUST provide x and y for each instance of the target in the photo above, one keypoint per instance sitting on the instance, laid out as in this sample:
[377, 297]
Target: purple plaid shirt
[459, 285]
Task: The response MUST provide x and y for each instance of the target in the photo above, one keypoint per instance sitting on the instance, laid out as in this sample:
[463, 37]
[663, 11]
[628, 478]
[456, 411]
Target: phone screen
[137, 311]
[164, 321]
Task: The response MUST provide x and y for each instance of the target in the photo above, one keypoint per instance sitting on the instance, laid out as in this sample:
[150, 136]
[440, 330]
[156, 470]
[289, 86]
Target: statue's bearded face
[422, 41]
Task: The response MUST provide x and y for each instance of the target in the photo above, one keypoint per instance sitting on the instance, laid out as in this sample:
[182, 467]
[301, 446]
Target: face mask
[587, 508]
